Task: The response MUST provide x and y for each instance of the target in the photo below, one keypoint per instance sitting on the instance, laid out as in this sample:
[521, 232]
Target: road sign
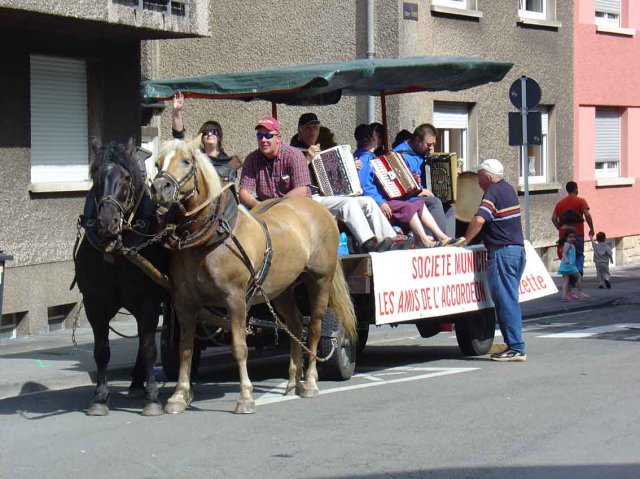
[533, 93]
[534, 128]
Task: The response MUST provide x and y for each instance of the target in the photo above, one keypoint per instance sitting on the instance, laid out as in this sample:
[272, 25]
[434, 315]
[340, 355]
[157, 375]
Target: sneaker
[374, 246]
[607, 283]
[509, 356]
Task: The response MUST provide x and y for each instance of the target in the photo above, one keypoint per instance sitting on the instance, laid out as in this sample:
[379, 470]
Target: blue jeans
[504, 269]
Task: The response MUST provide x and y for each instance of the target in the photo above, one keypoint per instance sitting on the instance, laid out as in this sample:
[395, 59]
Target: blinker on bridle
[178, 184]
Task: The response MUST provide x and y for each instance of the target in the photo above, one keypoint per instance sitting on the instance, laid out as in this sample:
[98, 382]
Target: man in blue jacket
[415, 151]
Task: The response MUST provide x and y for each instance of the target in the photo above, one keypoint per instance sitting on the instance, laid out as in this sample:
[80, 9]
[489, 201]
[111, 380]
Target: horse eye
[185, 162]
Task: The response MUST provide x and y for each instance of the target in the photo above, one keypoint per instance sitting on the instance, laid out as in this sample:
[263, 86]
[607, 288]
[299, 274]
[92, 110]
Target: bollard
[3, 259]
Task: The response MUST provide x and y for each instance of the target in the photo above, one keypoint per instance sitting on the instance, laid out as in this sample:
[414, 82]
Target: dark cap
[307, 118]
[363, 132]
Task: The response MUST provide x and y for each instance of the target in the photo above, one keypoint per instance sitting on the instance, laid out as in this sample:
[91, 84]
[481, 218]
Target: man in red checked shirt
[274, 170]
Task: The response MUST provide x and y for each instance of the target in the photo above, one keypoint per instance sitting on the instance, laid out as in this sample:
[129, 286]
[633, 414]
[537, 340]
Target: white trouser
[361, 214]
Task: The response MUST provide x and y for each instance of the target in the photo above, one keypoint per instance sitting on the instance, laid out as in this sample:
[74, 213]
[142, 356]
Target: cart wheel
[428, 328]
[342, 363]
[170, 349]
[475, 332]
[363, 336]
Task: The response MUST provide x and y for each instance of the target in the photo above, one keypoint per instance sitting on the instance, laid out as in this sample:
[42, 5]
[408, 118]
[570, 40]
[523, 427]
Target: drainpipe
[371, 111]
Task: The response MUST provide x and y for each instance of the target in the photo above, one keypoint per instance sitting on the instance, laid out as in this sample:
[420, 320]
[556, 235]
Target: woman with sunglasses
[210, 141]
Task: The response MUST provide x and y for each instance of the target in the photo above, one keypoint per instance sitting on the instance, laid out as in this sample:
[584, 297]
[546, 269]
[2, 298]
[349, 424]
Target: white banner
[425, 283]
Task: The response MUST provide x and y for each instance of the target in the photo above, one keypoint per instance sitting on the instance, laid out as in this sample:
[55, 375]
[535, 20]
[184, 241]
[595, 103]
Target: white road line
[537, 327]
[533, 320]
[588, 332]
[435, 372]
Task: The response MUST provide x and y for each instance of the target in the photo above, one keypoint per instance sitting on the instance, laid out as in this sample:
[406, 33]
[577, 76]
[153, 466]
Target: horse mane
[115, 153]
[203, 164]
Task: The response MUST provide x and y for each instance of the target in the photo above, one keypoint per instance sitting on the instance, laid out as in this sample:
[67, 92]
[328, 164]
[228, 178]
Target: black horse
[119, 215]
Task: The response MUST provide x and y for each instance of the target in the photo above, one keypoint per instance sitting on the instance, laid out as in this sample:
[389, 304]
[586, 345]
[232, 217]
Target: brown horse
[214, 251]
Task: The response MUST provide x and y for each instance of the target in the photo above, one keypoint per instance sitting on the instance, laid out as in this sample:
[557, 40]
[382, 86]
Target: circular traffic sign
[533, 93]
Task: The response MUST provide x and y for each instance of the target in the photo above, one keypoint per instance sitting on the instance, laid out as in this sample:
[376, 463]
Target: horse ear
[130, 147]
[96, 144]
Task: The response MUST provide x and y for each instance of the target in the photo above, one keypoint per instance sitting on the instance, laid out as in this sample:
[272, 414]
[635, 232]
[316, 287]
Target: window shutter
[609, 6]
[607, 134]
[59, 123]
[451, 115]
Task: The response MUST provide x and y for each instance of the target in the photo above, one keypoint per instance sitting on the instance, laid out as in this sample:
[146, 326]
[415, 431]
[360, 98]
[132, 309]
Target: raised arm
[177, 122]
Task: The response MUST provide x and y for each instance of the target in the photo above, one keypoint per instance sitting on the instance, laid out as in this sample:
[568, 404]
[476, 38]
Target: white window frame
[610, 12]
[607, 140]
[462, 4]
[449, 116]
[526, 13]
[544, 151]
[59, 120]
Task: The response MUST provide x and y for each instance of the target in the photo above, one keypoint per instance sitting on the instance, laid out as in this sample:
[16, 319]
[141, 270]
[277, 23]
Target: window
[533, 9]
[538, 155]
[59, 120]
[607, 142]
[608, 13]
[454, 3]
[452, 122]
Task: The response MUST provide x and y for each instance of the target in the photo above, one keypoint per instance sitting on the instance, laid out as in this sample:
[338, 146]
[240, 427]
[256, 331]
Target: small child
[602, 256]
[568, 267]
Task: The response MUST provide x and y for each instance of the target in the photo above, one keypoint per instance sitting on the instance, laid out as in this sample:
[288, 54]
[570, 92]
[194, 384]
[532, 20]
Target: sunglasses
[211, 131]
[268, 136]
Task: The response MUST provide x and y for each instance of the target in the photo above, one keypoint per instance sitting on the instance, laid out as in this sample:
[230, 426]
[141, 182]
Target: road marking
[270, 398]
[532, 320]
[589, 332]
[537, 327]
[42, 364]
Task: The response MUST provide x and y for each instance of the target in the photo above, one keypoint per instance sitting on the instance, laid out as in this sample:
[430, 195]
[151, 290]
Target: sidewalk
[51, 361]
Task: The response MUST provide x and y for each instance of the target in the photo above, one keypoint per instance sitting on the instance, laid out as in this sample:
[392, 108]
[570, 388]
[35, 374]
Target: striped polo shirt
[500, 209]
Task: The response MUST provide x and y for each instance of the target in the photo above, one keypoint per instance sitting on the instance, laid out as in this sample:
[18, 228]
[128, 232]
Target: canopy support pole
[274, 110]
[383, 105]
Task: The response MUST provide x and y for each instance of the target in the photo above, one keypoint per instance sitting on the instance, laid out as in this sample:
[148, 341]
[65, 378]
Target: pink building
[607, 118]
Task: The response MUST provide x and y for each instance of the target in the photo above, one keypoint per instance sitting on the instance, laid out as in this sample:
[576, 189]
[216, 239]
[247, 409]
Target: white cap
[491, 165]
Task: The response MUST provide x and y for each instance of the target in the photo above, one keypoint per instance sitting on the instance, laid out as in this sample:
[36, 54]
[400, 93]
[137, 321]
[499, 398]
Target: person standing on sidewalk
[568, 267]
[499, 219]
[602, 256]
[573, 211]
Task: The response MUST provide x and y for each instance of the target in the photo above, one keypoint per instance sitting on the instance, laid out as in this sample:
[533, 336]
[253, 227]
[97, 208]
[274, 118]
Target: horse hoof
[310, 393]
[175, 408]
[245, 407]
[152, 409]
[136, 393]
[97, 409]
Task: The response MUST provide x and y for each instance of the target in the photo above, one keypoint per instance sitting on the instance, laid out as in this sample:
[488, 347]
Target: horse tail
[340, 302]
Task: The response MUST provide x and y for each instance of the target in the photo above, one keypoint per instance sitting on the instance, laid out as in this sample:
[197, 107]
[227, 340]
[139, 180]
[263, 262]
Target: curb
[582, 307]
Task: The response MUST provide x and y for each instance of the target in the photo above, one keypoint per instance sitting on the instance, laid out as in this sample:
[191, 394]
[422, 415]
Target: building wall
[607, 73]
[247, 36]
[39, 229]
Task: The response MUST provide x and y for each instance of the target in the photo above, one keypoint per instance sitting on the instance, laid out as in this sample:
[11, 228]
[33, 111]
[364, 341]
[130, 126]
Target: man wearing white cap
[499, 218]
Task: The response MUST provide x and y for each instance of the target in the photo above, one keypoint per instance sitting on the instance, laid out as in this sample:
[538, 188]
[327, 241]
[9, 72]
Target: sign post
[525, 94]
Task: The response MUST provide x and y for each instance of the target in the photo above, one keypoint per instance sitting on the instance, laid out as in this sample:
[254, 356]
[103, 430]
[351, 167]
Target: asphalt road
[415, 409]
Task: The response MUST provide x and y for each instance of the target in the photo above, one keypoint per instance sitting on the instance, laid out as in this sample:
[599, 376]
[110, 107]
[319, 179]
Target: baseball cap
[491, 165]
[307, 118]
[269, 122]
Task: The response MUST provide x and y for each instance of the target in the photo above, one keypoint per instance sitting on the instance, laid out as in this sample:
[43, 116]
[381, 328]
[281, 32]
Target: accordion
[394, 176]
[439, 174]
[336, 172]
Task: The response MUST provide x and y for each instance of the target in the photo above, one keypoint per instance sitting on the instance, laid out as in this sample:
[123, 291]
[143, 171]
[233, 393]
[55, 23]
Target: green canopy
[325, 83]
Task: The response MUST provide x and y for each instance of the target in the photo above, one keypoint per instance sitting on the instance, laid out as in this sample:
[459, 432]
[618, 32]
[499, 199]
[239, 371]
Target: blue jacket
[367, 176]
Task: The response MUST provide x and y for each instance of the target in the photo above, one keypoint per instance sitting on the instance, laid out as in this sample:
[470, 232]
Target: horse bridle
[130, 204]
[178, 184]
